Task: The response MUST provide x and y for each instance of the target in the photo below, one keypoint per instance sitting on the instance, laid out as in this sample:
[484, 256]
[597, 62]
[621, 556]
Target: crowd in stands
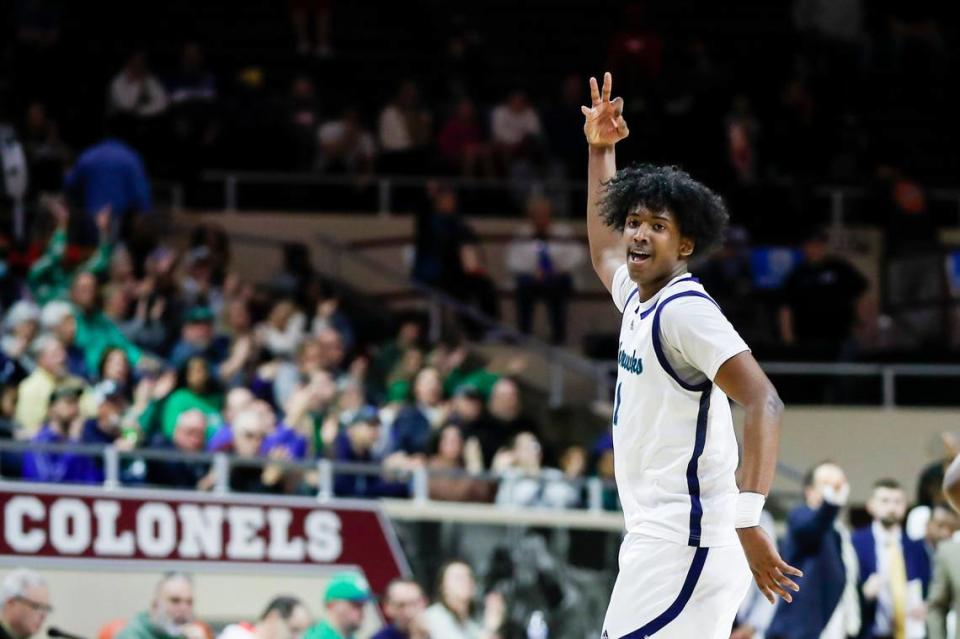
[26, 602]
[175, 354]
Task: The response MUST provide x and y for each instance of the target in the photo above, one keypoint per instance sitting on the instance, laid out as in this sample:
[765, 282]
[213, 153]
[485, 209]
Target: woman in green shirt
[196, 389]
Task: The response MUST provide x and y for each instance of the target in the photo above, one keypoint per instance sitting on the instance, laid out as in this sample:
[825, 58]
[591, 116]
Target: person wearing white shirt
[345, 145]
[513, 122]
[135, 91]
[542, 258]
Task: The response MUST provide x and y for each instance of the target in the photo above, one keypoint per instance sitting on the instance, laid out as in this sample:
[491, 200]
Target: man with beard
[171, 612]
[894, 569]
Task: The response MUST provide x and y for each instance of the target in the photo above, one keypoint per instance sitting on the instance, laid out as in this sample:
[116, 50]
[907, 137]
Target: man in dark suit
[24, 604]
[818, 543]
[894, 569]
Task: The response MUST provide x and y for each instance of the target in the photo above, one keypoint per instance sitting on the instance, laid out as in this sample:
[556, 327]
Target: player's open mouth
[638, 256]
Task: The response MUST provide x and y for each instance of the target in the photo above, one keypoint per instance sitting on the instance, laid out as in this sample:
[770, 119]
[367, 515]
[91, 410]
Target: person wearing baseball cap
[345, 597]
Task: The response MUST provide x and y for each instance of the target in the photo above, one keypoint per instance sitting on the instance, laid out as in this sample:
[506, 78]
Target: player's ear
[686, 247]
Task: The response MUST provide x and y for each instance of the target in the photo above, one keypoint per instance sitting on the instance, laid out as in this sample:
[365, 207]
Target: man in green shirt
[95, 331]
[48, 279]
[24, 604]
[346, 595]
[171, 612]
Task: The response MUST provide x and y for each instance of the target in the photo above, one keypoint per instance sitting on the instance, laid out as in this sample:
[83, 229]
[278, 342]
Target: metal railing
[417, 479]
[886, 373]
[839, 197]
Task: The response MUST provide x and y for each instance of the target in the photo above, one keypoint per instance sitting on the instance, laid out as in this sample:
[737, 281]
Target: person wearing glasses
[25, 602]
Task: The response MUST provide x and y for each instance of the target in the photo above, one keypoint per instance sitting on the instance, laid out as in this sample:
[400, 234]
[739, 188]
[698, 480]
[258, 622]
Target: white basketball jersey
[675, 451]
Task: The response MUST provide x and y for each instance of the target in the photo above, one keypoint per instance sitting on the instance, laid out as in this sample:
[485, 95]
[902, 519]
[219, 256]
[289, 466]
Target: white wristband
[749, 507]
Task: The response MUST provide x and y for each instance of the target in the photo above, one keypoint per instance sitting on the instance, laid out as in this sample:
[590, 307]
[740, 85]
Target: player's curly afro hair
[700, 213]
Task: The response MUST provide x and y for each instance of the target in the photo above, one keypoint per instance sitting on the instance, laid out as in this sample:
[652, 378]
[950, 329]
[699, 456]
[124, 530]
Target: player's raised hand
[604, 124]
[769, 570]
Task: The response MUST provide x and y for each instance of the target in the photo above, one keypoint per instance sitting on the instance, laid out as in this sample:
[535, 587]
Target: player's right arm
[603, 128]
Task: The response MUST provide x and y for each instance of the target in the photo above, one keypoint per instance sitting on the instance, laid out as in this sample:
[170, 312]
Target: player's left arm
[742, 379]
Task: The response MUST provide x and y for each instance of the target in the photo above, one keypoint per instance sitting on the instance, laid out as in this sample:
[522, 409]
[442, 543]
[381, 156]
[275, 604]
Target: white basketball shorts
[669, 591]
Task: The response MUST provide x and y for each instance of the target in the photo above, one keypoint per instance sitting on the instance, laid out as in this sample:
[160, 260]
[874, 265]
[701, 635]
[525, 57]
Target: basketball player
[693, 537]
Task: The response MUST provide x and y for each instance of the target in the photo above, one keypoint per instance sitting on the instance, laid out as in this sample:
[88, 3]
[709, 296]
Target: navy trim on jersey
[693, 480]
[705, 389]
[654, 307]
[658, 344]
[630, 297]
[616, 410]
[671, 613]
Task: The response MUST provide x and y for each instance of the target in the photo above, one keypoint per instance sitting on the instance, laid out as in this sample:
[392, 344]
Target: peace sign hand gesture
[604, 124]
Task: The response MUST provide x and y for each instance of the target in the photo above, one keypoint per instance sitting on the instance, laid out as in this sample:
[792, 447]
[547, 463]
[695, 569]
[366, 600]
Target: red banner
[88, 523]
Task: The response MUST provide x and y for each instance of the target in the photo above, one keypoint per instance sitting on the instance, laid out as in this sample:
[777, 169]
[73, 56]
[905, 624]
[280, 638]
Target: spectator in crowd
[95, 331]
[105, 426]
[405, 609]
[135, 91]
[356, 445]
[562, 122]
[514, 125]
[446, 254]
[171, 612]
[236, 401]
[542, 258]
[944, 595]
[57, 319]
[187, 437]
[414, 424]
[461, 142]
[192, 83]
[196, 390]
[63, 426]
[743, 131]
[930, 482]
[47, 154]
[115, 369]
[20, 328]
[198, 339]
[822, 301]
[110, 175]
[819, 544]
[300, 13]
[34, 392]
[249, 433]
[24, 604]
[346, 146]
[283, 330]
[347, 593]
[452, 615]
[285, 617]
[48, 279]
[728, 275]
[894, 569]
[454, 464]
[505, 419]
[943, 524]
[283, 439]
[302, 118]
[404, 131]
[525, 483]
[199, 286]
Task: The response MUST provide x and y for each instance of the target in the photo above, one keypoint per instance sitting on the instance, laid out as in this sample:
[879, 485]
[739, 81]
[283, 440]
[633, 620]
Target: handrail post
[836, 208]
[384, 196]
[111, 467]
[324, 480]
[556, 383]
[889, 387]
[221, 473]
[421, 484]
[230, 193]
[595, 494]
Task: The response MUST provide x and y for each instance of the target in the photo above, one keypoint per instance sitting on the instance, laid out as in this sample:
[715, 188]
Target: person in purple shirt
[58, 467]
[237, 400]
[405, 607]
[109, 174]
